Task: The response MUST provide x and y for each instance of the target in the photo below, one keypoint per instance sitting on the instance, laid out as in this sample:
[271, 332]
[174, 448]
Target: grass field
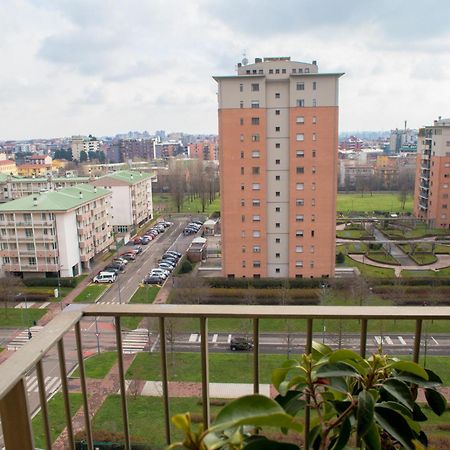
[165, 204]
[382, 257]
[91, 293]
[98, 366]
[56, 417]
[12, 317]
[145, 294]
[369, 271]
[378, 201]
[353, 234]
[427, 273]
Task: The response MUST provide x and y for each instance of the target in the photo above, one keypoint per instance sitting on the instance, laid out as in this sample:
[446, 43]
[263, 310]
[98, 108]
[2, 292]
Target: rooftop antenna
[244, 58]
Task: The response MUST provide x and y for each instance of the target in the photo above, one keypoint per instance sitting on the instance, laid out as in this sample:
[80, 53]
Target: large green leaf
[343, 354]
[256, 410]
[436, 401]
[320, 349]
[262, 443]
[291, 402]
[398, 407]
[418, 414]
[372, 438]
[410, 367]
[279, 374]
[182, 422]
[364, 413]
[395, 424]
[296, 381]
[344, 435]
[400, 391]
[432, 376]
[339, 369]
[410, 378]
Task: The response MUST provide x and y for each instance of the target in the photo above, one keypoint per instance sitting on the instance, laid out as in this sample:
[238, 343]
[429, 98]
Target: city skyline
[103, 67]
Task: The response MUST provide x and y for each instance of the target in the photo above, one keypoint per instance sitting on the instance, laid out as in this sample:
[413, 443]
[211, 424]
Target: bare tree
[10, 288]
[177, 183]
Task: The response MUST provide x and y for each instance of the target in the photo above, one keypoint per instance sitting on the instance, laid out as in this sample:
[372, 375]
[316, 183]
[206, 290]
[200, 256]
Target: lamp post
[26, 317]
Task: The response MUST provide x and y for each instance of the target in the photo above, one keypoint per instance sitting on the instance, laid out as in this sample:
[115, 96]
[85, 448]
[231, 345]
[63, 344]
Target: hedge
[63, 282]
[244, 301]
[265, 283]
[104, 436]
[409, 281]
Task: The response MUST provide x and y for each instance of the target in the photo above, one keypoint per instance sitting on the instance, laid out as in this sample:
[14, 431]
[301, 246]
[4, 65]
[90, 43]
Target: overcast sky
[109, 66]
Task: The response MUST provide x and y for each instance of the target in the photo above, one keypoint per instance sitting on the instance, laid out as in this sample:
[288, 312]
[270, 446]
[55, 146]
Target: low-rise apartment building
[55, 231]
[131, 198]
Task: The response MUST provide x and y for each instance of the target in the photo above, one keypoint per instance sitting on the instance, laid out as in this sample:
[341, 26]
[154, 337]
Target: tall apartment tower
[278, 140]
[431, 198]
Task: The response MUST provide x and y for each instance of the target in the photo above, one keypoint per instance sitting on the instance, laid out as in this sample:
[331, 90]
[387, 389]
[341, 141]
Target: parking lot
[128, 281]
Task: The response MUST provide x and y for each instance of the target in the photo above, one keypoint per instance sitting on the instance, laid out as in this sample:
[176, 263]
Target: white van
[105, 277]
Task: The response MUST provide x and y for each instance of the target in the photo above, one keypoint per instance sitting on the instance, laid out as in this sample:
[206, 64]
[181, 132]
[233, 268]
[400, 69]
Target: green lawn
[426, 273]
[165, 203]
[353, 248]
[144, 294]
[56, 416]
[91, 293]
[423, 258]
[63, 291]
[353, 234]
[419, 231]
[378, 201]
[12, 317]
[382, 257]
[369, 271]
[98, 366]
[223, 367]
[146, 417]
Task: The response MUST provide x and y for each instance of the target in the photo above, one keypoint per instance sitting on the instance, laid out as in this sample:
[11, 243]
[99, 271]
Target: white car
[105, 277]
[160, 273]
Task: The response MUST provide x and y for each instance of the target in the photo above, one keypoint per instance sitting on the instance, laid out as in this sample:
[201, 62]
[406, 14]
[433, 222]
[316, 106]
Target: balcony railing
[14, 410]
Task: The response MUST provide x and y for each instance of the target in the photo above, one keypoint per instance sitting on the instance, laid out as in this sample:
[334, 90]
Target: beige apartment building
[431, 197]
[57, 231]
[131, 204]
[278, 140]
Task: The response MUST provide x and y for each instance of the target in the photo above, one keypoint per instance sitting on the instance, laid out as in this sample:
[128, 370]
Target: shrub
[105, 436]
[340, 258]
[265, 283]
[186, 266]
[63, 282]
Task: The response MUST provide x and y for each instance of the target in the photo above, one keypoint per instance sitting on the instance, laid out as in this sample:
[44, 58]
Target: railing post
[16, 423]
[308, 350]
[363, 338]
[43, 400]
[417, 339]
[205, 369]
[123, 389]
[65, 392]
[165, 385]
[256, 356]
[84, 393]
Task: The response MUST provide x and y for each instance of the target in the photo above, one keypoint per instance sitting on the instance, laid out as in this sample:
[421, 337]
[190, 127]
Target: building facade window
[300, 137]
[255, 137]
[256, 186]
[256, 233]
[300, 186]
[299, 154]
[299, 249]
[255, 87]
[255, 154]
[254, 104]
[300, 86]
[256, 218]
[300, 103]
[300, 119]
[300, 170]
[299, 233]
[256, 202]
[255, 170]
[256, 249]
[255, 120]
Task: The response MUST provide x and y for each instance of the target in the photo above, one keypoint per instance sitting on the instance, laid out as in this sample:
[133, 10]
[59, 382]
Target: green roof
[61, 200]
[128, 176]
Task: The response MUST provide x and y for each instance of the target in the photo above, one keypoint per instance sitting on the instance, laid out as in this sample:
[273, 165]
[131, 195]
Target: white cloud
[104, 66]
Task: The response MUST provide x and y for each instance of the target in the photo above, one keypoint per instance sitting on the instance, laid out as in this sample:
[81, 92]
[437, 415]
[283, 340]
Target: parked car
[175, 253]
[137, 240]
[129, 256]
[159, 273]
[117, 266]
[112, 269]
[121, 260]
[198, 222]
[166, 266]
[105, 277]
[241, 344]
[153, 279]
[169, 260]
[145, 240]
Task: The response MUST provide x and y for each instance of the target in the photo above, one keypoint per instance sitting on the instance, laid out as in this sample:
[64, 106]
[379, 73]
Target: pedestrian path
[135, 341]
[52, 384]
[22, 338]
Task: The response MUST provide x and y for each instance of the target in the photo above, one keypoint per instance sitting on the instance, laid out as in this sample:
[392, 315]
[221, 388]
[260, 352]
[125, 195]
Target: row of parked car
[193, 227]
[110, 273]
[166, 265]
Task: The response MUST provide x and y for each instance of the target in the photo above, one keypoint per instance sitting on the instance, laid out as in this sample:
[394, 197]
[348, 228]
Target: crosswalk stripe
[135, 341]
[229, 339]
[378, 339]
[435, 341]
[51, 384]
[402, 341]
[193, 337]
[388, 340]
[24, 305]
[214, 339]
[44, 305]
[21, 339]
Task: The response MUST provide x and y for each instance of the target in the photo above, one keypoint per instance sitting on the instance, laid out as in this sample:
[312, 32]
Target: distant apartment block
[166, 149]
[14, 187]
[431, 197]
[126, 149]
[8, 167]
[83, 143]
[131, 198]
[278, 124]
[403, 140]
[58, 231]
[207, 150]
[352, 143]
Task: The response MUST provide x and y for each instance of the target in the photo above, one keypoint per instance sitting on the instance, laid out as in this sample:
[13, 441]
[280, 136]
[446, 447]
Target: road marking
[435, 341]
[44, 305]
[229, 339]
[214, 339]
[402, 341]
[135, 341]
[378, 340]
[24, 305]
[154, 344]
[51, 384]
[22, 338]
[193, 337]
[388, 340]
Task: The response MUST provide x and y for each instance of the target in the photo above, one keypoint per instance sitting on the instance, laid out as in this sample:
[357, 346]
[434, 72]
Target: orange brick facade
[278, 140]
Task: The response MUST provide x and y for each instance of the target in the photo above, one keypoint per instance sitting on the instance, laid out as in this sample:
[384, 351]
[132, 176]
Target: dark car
[173, 252]
[116, 265]
[240, 344]
[169, 259]
[198, 222]
[151, 279]
[128, 256]
[137, 249]
[112, 269]
[145, 240]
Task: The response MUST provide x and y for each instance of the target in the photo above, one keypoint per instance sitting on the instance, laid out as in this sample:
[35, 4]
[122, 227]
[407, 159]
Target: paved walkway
[442, 262]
